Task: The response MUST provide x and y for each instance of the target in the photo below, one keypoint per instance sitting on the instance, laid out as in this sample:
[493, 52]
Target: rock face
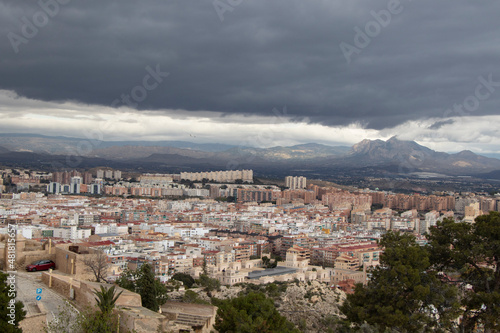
[412, 157]
[311, 306]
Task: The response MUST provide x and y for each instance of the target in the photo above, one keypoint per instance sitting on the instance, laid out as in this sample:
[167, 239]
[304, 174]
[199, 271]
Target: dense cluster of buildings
[315, 232]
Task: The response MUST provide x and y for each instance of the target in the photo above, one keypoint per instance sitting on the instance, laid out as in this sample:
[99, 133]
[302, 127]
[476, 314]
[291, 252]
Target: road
[27, 285]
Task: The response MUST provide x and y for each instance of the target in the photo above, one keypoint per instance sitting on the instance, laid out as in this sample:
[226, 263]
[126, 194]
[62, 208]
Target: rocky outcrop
[311, 306]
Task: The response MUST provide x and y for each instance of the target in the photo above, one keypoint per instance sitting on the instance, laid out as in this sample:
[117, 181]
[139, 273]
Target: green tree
[470, 252]
[404, 293]
[265, 260]
[209, 283]
[184, 278]
[11, 311]
[106, 299]
[250, 313]
[153, 293]
[277, 258]
[127, 280]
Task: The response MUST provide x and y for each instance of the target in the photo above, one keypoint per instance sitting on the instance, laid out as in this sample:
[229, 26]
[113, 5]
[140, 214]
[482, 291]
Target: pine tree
[146, 286]
[470, 252]
[404, 293]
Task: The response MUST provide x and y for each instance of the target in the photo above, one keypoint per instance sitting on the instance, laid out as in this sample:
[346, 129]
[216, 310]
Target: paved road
[27, 285]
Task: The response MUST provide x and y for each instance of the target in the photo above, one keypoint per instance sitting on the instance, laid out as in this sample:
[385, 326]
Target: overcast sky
[254, 72]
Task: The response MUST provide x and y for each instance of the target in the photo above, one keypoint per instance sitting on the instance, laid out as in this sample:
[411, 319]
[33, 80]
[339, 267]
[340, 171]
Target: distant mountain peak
[394, 139]
[466, 153]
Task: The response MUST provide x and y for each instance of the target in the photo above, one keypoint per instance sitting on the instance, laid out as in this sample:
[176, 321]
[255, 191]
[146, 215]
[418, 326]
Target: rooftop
[280, 270]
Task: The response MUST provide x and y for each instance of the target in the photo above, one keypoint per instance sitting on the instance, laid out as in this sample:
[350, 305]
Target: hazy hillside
[366, 158]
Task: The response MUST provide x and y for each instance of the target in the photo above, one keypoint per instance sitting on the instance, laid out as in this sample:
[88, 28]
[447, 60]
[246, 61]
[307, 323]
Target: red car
[41, 265]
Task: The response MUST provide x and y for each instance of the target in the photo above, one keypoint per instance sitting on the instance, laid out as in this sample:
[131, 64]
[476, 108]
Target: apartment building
[295, 183]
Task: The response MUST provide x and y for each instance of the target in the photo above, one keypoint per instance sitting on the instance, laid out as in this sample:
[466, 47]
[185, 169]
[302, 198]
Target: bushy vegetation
[272, 290]
[186, 279]
[250, 313]
[210, 284]
[427, 288]
[192, 297]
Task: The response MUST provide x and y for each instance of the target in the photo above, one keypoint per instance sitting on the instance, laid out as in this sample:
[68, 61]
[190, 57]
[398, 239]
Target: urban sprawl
[221, 223]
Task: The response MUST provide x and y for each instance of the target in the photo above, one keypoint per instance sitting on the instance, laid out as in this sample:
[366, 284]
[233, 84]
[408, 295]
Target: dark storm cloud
[263, 54]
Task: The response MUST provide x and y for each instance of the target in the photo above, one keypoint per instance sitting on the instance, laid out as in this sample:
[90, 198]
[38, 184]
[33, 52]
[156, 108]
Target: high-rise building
[472, 211]
[295, 183]
[95, 189]
[257, 195]
[54, 188]
[76, 182]
[108, 174]
[87, 178]
[228, 176]
[100, 174]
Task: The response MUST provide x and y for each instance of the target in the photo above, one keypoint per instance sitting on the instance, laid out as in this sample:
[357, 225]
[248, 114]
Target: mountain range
[369, 157]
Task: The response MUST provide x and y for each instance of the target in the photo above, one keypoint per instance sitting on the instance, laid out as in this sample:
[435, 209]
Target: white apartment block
[71, 233]
[295, 183]
[220, 176]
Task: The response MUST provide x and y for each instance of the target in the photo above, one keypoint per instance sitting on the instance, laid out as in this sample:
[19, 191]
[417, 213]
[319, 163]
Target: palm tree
[106, 299]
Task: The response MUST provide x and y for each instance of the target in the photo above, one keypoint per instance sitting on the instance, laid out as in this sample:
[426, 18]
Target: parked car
[41, 265]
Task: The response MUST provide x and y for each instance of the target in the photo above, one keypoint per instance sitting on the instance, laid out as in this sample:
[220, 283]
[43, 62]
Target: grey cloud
[261, 56]
[438, 124]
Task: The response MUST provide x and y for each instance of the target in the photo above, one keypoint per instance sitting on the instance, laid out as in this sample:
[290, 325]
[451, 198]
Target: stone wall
[2, 256]
[343, 274]
[27, 251]
[176, 317]
[195, 317]
[59, 284]
[84, 291]
[29, 257]
[63, 261]
[65, 265]
[85, 295]
[138, 319]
